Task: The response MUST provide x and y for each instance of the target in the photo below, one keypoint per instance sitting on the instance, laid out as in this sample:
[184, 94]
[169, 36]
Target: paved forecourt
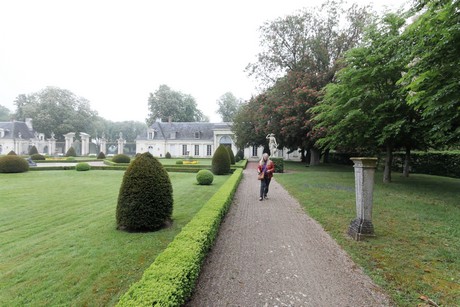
[271, 253]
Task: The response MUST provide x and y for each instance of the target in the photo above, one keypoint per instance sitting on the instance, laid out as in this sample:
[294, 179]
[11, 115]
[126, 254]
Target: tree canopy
[228, 106]
[5, 113]
[166, 103]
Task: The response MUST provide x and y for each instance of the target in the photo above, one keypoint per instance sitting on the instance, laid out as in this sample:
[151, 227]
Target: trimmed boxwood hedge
[38, 157]
[170, 280]
[145, 200]
[440, 163]
[279, 164]
[221, 161]
[13, 164]
[82, 166]
[121, 158]
[204, 177]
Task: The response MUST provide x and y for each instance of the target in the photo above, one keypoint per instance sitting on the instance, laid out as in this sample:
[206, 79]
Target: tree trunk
[388, 163]
[326, 156]
[406, 163]
[315, 155]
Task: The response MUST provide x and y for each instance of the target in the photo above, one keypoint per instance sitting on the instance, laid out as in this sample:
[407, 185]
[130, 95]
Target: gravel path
[270, 253]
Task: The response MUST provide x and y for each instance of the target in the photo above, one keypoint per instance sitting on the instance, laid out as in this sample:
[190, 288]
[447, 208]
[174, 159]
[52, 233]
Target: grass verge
[416, 251]
[58, 242]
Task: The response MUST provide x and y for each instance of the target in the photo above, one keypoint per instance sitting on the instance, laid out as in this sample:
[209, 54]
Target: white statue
[272, 145]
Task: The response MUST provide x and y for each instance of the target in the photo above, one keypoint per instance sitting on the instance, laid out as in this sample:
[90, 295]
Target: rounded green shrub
[179, 162]
[168, 155]
[38, 157]
[237, 159]
[33, 150]
[101, 156]
[13, 164]
[11, 153]
[121, 158]
[71, 152]
[82, 166]
[230, 153]
[145, 200]
[204, 177]
[221, 161]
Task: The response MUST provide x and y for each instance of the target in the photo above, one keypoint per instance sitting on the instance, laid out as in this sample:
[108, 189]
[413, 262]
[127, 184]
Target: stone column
[51, 146]
[68, 140]
[121, 144]
[84, 143]
[362, 225]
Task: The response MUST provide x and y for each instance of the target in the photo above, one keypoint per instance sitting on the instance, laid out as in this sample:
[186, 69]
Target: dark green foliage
[279, 164]
[145, 201]
[38, 157]
[446, 163]
[170, 280]
[101, 156]
[237, 159]
[231, 155]
[13, 164]
[221, 161]
[82, 166]
[121, 158]
[71, 152]
[12, 153]
[240, 154]
[168, 155]
[179, 162]
[204, 177]
[33, 150]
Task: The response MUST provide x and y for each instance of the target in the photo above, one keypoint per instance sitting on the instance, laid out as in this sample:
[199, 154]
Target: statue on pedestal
[272, 144]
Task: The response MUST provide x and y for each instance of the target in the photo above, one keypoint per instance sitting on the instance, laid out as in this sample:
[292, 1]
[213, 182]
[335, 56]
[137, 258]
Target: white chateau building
[195, 139]
[20, 136]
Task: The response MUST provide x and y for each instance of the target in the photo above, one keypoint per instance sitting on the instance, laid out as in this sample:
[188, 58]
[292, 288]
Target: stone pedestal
[52, 146]
[362, 225]
[103, 145]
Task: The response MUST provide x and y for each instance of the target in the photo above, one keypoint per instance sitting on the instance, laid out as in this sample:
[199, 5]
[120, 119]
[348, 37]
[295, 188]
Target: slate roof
[185, 130]
[12, 130]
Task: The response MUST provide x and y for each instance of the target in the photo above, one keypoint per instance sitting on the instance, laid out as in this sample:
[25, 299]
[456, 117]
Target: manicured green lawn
[58, 242]
[416, 250]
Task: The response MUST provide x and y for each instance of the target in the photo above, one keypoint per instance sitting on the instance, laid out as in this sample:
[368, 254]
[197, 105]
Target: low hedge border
[171, 278]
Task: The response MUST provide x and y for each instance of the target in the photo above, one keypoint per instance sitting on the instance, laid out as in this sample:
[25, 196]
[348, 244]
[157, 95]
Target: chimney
[29, 124]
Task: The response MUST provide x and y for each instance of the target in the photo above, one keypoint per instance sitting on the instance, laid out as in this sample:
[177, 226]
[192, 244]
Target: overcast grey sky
[114, 53]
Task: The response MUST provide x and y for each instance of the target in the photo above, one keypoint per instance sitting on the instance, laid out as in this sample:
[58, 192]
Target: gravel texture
[271, 253]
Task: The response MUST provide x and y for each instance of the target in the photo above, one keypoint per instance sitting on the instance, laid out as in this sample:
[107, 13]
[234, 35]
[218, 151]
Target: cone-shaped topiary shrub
[101, 156]
[121, 158]
[231, 155]
[12, 153]
[221, 161]
[71, 152]
[33, 150]
[38, 157]
[145, 201]
[204, 177]
[13, 164]
[168, 155]
[82, 166]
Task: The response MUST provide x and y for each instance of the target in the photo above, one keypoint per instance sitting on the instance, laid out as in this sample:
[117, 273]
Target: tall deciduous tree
[300, 55]
[166, 103]
[364, 109]
[432, 80]
[56, 110]
[228, 106]
[5, 114]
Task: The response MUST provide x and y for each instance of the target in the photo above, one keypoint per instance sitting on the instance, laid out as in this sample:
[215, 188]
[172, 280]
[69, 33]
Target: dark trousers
[264, 186]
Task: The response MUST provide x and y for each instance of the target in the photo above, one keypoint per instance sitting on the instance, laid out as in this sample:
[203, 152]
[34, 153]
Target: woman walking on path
[267, 167]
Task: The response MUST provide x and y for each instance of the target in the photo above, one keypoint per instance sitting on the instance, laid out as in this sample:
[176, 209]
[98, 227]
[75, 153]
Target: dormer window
[197, 135]
[151, 134]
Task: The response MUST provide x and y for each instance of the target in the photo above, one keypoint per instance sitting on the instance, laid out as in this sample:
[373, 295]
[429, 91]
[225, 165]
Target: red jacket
[268, 167]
